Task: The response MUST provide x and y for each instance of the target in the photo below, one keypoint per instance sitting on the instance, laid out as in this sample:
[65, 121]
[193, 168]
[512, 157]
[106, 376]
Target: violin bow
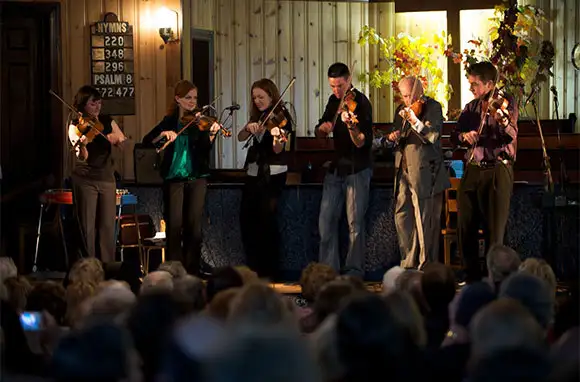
[483, 117]
[277, 102]
[341, 104]
[184, 127]
[76, 112]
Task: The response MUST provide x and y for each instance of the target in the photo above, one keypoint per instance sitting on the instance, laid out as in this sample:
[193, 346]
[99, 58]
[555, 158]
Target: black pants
[96, 206]
[259, 223]
[484, 197]
[184, 204]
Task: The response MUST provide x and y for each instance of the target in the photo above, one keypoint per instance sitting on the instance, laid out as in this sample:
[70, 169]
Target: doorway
[31, 122]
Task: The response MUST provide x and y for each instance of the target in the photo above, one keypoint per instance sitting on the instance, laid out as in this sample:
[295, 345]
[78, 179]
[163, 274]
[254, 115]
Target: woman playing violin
[93, 178]
[267, 164]
[184, 168]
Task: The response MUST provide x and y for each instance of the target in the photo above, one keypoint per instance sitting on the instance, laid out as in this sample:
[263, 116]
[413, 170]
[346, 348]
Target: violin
[277, 119]
[89, 127]
[498, 104]
[203, 122]
[416, 107]
[349, 105]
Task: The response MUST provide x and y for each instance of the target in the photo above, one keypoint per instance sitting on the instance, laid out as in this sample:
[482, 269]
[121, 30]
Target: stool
[57, 197]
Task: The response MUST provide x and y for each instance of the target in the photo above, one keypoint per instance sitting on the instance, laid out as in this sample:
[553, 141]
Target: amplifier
[146, 162]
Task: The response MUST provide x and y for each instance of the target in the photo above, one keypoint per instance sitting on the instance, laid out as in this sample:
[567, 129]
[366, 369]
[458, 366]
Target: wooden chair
[449, 231]
[130, 237]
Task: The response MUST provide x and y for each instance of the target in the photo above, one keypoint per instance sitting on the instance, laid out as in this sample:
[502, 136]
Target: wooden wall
[281, 40]
[151, 84]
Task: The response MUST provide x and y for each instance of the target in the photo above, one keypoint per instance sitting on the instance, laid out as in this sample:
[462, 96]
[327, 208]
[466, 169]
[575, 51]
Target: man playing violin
[420, 175]
[485, 189]
[349, 174]
[184, 168]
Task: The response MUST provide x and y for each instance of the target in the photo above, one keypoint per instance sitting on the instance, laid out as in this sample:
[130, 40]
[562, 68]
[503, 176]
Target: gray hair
[502, 261]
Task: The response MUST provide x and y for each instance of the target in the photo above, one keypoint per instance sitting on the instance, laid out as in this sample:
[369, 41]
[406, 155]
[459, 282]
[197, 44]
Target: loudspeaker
[147, 162]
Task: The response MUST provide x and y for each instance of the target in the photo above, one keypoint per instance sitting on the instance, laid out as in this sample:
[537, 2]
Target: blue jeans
[355, 190]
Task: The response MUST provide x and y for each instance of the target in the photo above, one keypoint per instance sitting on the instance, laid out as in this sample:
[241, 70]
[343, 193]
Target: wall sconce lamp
[168, 22]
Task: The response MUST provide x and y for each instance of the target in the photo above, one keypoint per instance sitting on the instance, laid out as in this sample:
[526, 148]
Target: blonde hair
[541, 269]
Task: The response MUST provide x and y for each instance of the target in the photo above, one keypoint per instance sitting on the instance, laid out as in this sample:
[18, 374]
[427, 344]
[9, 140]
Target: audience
[236, 327]
[502, 261]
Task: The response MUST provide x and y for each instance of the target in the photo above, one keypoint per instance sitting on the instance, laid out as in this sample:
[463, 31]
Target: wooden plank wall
[151, 87]
[280, 40]
[564, 32]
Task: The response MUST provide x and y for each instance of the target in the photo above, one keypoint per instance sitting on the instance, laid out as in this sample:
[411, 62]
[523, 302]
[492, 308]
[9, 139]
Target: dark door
[31, 121]
[202, 65]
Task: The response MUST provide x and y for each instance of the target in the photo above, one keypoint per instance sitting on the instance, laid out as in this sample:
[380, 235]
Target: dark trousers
[259, 223]
[183, 209]
[96, 206]
[484, 197]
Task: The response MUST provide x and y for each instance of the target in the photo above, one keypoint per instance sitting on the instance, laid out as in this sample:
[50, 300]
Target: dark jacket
[262, 152]
[199, 144]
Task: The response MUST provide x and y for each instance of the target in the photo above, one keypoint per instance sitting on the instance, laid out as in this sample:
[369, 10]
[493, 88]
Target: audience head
[331, 297]
[18, 289]
[87, 269]
[49, 296]
[533, 293]
[410, 281]
[175, 268]
[189, 293]
[220, 306]
[255, 353]
[100, 352]
[246, 274]
[390, 278]
[313, 277]
[7, 269]
[469, 301]
[438, 286]
[76, 295]
[502, 261]
[541, 269]
[504, 324]
[157, 280]
[371, 341]
[221, 279]
[257, 303]
[406, 311]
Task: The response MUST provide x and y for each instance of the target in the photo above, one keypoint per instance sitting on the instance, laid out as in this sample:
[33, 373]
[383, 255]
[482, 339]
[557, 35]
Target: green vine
[523, 61]
[406, 55]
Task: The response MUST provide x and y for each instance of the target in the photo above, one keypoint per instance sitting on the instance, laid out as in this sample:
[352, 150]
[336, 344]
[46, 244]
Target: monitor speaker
[147, 163]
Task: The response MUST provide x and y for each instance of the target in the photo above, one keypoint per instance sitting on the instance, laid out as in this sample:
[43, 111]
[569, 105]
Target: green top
[181, 163]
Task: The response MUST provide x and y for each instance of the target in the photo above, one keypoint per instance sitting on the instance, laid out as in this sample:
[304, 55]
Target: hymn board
[112, 64]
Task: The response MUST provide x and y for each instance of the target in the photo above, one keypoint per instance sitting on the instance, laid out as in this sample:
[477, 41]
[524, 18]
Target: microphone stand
[563, 174]
[549, 186]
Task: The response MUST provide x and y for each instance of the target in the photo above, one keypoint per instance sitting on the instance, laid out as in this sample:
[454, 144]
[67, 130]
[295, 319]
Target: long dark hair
[84, 94]
[181, 89]
[270, 88]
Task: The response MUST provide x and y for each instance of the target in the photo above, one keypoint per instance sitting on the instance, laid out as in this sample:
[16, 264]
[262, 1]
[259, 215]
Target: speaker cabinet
[147, 162]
